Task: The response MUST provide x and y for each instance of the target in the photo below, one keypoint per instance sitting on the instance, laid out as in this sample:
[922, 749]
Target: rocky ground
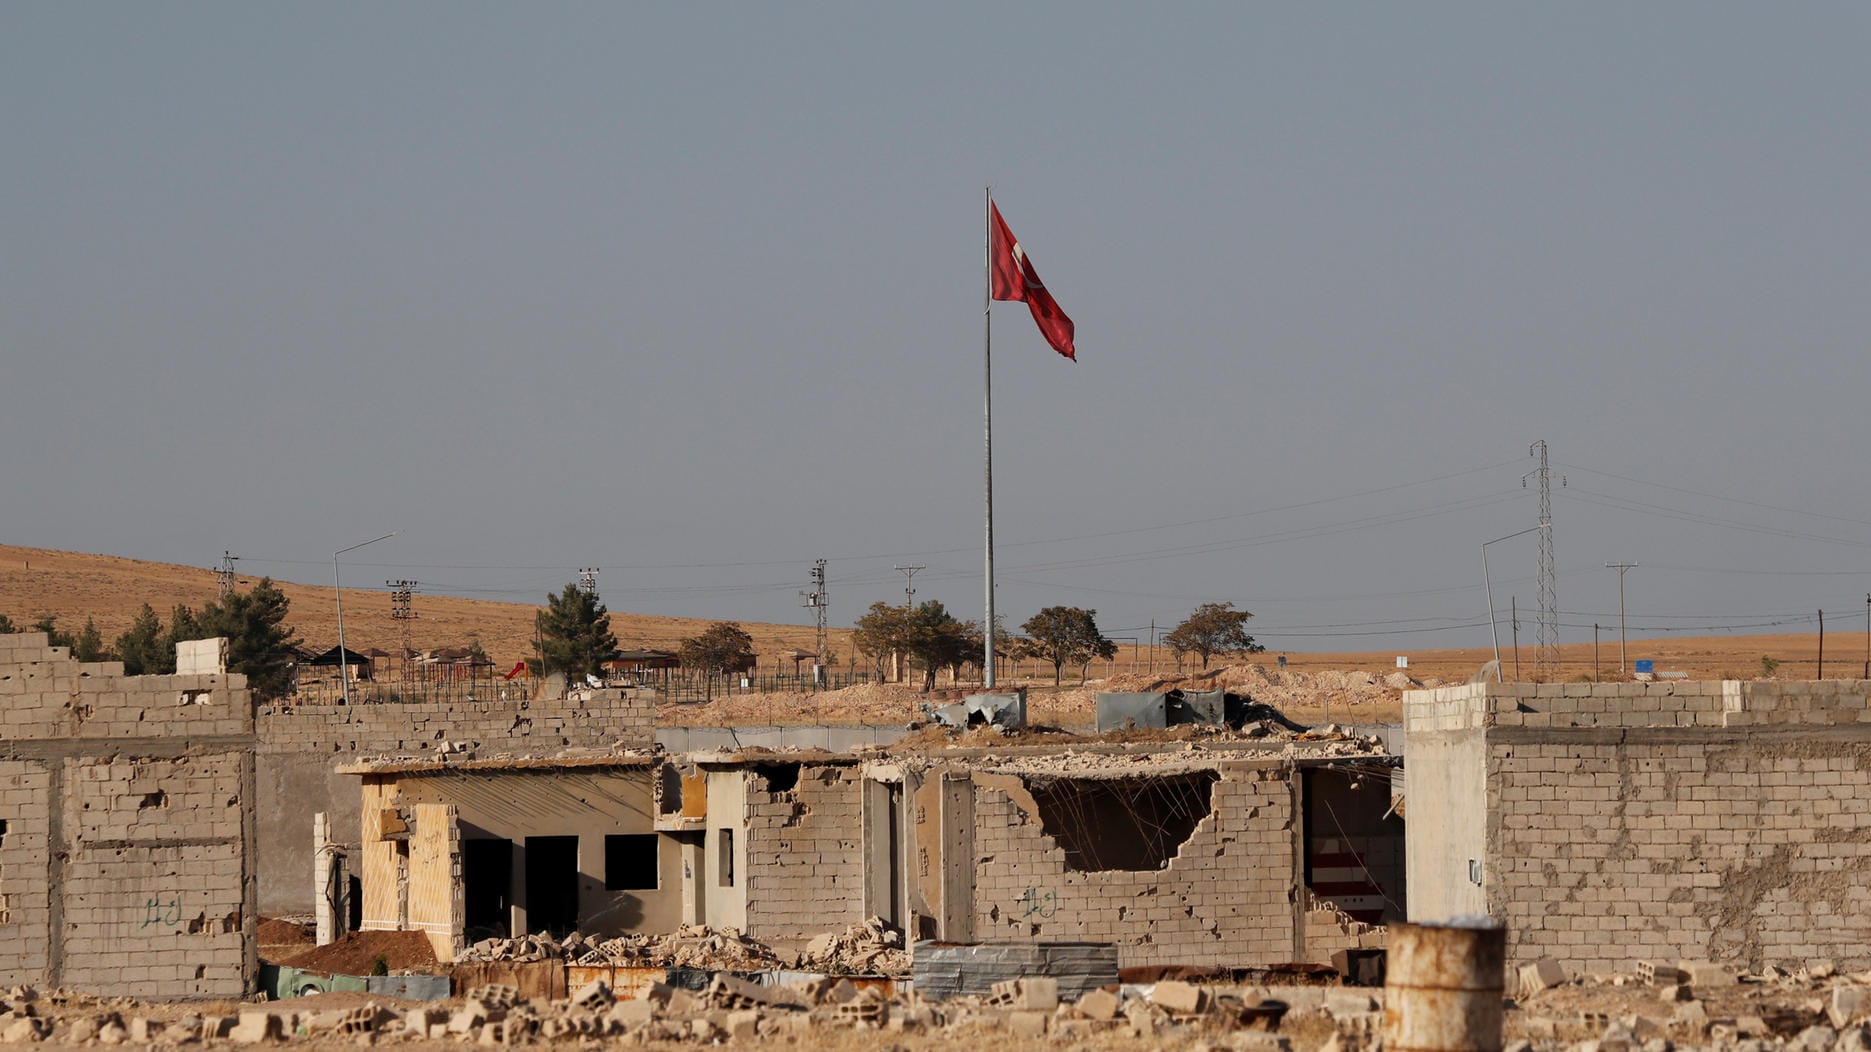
[1811, 1009]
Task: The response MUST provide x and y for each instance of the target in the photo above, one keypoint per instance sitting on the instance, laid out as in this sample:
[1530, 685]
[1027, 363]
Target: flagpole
[987, 388]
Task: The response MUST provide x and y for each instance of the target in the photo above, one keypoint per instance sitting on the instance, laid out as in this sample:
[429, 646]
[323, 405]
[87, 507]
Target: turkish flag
[518, 667]
[1015, 279]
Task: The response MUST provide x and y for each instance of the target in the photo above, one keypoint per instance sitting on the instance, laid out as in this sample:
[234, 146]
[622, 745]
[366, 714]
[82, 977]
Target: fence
[686, 686]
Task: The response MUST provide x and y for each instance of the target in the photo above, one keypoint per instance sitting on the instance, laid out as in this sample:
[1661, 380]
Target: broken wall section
[1728, 822]
[1224, 895]
[125, 841]
[804, 850]
[301, 745]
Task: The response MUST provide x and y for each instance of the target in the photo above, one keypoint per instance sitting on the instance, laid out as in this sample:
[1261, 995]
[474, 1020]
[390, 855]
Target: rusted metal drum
[1442, 988]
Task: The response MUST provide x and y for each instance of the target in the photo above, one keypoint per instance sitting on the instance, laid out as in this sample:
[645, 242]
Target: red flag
[1015, 279]
[518, 667]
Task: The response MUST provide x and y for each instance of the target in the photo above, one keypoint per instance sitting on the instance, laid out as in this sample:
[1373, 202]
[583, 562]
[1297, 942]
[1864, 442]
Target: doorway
[552, 884]
[486, 888]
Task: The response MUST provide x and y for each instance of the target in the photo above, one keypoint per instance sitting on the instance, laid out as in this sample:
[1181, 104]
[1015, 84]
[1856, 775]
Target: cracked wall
[804, 852]
[1724, 822]
[1226, 896]
[126, 861]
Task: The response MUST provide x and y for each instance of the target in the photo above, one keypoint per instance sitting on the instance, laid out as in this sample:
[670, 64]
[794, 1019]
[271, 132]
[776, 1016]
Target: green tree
[88, 644]
[882, 631]
[259, 642]
[936, 639]
[141, 648]
[53, 635]
[1067, 634]
[1214, 628]
[722, 647]
[6, 625]
[574, 635]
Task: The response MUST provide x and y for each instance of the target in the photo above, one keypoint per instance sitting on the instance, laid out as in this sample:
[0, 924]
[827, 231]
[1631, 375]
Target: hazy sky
[692, 293]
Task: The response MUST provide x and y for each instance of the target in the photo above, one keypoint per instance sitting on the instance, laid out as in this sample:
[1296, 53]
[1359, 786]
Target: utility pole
[402, 612]
[1624, 667]
[1594, 651]
[1513, 619]
[1548, 660]
[1867, 636]
[224, 575]
[588, 580]
[1822, 644]
[817, 601]
[909, 585]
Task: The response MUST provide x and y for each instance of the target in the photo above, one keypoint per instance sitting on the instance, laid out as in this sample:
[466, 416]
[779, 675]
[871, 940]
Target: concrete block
[254, 1028]
[1704, 974]
[743, 1027]
[1100, 1005]
[1178, 997]
[1542, 974]
[632, 1014]
[1652, 972]
[1028, 1024]
[1676, 992]
[1848, 1004]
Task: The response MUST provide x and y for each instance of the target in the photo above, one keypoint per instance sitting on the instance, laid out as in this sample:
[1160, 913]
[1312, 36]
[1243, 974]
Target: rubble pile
[871, 948]
[691, 946]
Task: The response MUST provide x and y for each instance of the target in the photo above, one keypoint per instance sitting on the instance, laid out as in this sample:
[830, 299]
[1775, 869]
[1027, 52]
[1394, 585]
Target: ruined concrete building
[1609, 823]
[126, 831]
[1232, 853]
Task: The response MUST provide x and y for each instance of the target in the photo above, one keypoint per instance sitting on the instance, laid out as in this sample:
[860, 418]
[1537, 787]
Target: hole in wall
[1122, 823]
[778, 777]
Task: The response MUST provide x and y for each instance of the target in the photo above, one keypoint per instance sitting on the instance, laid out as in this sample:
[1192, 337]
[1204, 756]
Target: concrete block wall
[1708, 821]
[300, 746]
[1226, 897]
[126, 863]
[805, 854]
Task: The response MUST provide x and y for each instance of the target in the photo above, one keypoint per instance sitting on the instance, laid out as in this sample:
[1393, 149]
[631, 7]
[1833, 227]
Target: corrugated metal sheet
[945, 970]
[1117, 711]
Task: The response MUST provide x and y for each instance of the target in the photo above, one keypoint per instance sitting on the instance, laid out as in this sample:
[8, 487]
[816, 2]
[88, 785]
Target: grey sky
[692, 293]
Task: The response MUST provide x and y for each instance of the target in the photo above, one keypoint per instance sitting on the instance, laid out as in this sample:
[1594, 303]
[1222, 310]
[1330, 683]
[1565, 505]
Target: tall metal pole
[1867, 635]
[1822, 644]
[1594, 651]
[1624, 666]
[344, 665]
[987, 412]
[1494, 629]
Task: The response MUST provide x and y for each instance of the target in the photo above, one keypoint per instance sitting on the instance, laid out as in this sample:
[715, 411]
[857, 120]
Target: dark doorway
[552, 884]
[486, 887]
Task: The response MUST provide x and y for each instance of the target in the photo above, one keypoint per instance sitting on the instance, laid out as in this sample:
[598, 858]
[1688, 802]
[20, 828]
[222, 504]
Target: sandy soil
[73, 586]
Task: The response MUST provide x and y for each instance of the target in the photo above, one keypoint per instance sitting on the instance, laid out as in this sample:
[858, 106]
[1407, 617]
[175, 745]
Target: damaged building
[1610, 823]
[1231, 853]
[126, 835]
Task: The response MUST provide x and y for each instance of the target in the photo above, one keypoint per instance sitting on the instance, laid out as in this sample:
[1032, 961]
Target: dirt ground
[357, 952]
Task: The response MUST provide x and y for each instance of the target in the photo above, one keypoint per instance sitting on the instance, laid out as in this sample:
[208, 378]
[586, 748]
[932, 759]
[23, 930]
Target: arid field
[73, 586]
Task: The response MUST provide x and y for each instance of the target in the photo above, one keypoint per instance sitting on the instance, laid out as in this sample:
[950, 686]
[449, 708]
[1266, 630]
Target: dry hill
[74, 586]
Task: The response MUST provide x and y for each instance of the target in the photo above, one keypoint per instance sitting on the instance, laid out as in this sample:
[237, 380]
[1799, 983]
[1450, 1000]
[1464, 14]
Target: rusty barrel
[1442, 988]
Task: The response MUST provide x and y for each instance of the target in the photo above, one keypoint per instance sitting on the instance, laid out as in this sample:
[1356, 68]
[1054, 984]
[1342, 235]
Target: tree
[937, 640]
[141, 648]
[88, 644]
[6, 625]
[259, 642]
[722, 647]
[1214, 628]
[882, 631]
[574, 635]
[1062, 634]
[53, 636]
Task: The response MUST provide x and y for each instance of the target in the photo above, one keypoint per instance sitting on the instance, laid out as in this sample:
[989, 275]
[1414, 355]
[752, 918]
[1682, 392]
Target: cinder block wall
[805, 854]
[1227, 897]
[126, 862]
[1618, 822]
[300, 745]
